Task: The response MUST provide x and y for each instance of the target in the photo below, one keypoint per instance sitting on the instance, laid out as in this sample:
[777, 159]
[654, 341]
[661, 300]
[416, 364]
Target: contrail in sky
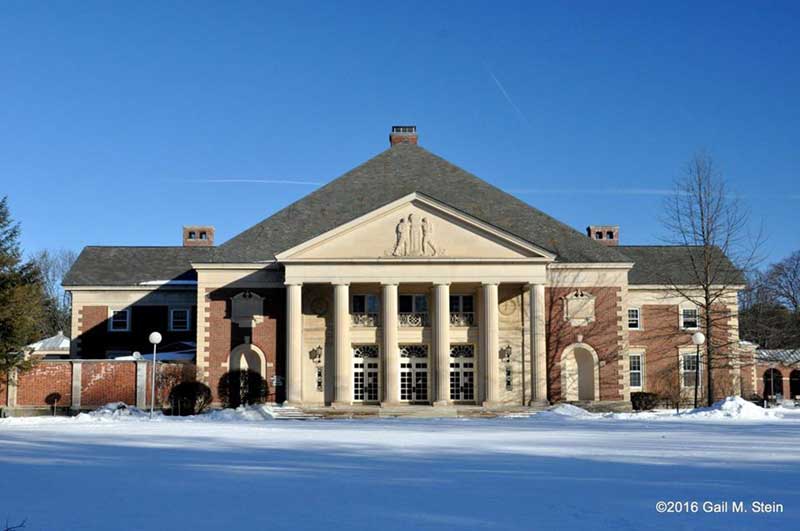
[255, 181]
[508, 98]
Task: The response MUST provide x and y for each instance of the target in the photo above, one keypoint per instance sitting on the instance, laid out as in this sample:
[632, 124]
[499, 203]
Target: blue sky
[121, 122]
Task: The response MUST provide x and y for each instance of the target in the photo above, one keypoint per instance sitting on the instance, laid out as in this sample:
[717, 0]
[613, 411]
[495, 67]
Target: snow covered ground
[561, 469]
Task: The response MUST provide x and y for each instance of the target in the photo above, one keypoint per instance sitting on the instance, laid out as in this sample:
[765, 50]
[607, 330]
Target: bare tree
[783, 282]
[766, 315]
[711, 226]
[53, 265]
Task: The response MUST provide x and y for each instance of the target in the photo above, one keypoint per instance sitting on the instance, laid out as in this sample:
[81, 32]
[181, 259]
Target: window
[688, 369]
[179, 320]
[412, 303]
[689, 318]
[609, 235]
[203, 235]
[413, 310]
[365, 304]
[634, 320]
[462, 310]
[119, 321]
[364, 310]
[192, 235]
[598, 235]
[636, 370]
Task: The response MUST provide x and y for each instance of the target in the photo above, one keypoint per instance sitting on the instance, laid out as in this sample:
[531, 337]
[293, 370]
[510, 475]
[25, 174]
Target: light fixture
[698, 338]
[155, 339]
[315, 354]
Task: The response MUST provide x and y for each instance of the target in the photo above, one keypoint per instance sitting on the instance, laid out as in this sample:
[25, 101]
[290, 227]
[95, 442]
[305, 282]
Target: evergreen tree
[21, 297]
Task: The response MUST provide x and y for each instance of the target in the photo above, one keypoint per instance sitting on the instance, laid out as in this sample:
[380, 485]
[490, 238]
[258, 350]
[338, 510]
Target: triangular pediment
[415, 227]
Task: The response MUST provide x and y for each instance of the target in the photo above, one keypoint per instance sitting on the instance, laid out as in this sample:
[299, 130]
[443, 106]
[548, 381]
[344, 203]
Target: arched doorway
[247, 357]
[773, 383]
[794, 384]
[580, 379]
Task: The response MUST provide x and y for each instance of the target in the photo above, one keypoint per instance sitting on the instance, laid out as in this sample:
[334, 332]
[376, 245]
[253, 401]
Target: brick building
[405, 281]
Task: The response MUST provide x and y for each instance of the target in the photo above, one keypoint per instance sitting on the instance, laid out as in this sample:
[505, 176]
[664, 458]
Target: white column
[491, 343]
[294, 344]
[343, 392]
[391, 354]
[538, 343]
[441, 334]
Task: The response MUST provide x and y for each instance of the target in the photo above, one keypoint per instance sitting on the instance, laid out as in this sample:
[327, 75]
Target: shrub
[643, 401]
[237, 388]
[189, 398]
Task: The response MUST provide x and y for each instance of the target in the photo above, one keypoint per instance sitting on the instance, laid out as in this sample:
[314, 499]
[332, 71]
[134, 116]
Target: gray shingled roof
[401, 170]
[785, 356]
[127, 266]
[665, 264]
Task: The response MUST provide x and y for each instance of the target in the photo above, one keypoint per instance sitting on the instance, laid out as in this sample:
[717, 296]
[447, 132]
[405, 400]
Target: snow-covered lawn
[553, 470]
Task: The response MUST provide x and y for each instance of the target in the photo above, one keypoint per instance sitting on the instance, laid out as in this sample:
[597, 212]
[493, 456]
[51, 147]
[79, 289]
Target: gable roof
[663, 264]
[128, 266]
[399, 171]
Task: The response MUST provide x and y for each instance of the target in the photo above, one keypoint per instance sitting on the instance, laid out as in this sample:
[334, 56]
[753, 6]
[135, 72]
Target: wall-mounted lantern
[315, 354]
[505, 355]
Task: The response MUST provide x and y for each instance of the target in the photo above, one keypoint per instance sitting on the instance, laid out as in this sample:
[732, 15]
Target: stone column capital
[490, 283]
[437, 283]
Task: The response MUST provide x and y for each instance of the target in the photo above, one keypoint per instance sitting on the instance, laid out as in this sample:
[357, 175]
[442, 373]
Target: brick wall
[43, 381]
[104, 382]
[663, 340]
[95, 339]
[603, 335]
[101, 382]
[267, 335]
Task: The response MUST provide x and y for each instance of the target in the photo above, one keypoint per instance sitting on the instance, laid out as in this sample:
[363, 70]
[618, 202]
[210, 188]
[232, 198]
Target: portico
[410, 300]
[444, 351]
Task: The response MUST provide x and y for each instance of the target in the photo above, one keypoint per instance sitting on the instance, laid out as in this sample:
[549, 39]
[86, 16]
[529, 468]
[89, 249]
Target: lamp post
[155, 339]
[698, 338]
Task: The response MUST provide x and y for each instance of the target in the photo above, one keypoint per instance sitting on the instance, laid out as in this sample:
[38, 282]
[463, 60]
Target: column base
[393, 404]
[442, 403]
[341, 404]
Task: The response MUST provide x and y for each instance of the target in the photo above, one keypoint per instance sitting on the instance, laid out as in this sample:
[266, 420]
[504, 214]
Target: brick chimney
[403, 134]
[198, 236]
[605, 234]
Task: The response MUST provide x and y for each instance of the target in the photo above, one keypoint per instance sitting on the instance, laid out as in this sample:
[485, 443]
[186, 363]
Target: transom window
[636, 370]
[179, 319]
[689, 318]
[120, 320]
[688, 369]
[634, 318]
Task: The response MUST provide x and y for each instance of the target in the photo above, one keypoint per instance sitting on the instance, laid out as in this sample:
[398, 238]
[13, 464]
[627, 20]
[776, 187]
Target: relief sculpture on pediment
[414, 238]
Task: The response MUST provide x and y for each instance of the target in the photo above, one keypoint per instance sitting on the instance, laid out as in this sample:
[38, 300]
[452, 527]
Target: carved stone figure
[427, 238]
[401, 244]
[415, 238]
